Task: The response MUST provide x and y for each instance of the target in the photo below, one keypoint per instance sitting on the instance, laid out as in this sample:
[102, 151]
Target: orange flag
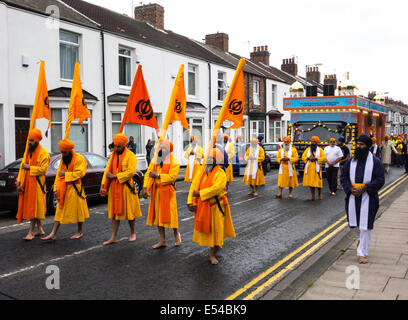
[77, 106]
[139, 107]
[42, 102]
[236, 103]
[178, 103]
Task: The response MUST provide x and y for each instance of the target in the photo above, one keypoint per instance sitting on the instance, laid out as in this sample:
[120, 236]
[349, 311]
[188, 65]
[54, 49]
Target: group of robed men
[207, 197]
[361, 178]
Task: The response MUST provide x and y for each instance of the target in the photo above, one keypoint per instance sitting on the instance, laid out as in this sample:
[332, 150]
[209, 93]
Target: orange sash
[117, 188]
[27, 201]
[166, 193]
[203, 212]
[62, 190]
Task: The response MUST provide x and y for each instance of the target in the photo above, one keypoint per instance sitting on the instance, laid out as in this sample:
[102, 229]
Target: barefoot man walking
[68, 190]
[159, 183]
[33, 203]
[123, 200]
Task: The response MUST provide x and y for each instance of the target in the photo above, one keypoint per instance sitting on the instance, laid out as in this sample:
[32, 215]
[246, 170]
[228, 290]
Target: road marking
[393, 187]
[15, 225]
[295, 262]
[187, 219]
[391, 184]
[235, 204]
[6, 275]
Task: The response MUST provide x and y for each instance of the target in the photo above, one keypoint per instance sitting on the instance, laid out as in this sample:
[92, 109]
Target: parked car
[272, 149]
[91, 181]
[240, 163]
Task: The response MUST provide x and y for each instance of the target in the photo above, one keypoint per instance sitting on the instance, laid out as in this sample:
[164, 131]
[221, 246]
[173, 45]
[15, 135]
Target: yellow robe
[260, 178]
[75, 209]
[199, 156]
[230, 170]
[312, 178]
[131, 204]
[165, 179]
[284, 180]
[221, 226]
[39, 171]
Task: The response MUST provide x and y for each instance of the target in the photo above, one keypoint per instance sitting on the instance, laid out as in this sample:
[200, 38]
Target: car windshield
[323, 133]
[13, 166]
[271, 147]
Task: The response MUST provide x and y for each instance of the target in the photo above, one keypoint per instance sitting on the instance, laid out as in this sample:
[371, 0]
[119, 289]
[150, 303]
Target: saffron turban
[167, 144]
[254, 140]
[387, 136]
[217, 155]
[287, 139]
[120, 140]
[66, 145]
[193, 138]
[374, 139]
[315, 139]
[35, 134]
[332, 140]
[226, 137]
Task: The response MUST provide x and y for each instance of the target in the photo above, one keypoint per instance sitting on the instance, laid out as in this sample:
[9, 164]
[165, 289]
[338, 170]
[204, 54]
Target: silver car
[272, 149]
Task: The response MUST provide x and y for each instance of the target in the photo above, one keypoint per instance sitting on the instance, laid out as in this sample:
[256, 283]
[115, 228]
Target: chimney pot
[218, 40]
[152, 13]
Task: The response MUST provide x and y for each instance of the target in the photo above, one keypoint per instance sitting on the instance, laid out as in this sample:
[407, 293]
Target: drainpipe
[104, 91]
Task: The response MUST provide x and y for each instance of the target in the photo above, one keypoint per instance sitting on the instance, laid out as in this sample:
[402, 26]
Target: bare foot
[177, 241]
[279, 196]
[132, 238]
[39, 233]
[363, 260]
[213, 260]
[290, 196]
[77, 236]
[161, 244]
[29, 237]
[50, 237]
[110, 241]
[249, 193]
[255, 194]
[320, 197]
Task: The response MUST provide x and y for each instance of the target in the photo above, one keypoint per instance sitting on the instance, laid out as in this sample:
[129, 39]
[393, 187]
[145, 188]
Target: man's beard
[120, 152]
[161, 156]
[314, 147]
[286, 147]
[67, 159]
[32, 148]
[209, 168]
[361, 154]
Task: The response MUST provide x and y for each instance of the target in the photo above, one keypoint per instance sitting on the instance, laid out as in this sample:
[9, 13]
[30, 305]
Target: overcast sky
[368, 38]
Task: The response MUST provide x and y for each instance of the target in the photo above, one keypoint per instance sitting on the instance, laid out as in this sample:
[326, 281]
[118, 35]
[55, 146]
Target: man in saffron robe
[68, 190]
[32, 203]
[230, 149]
[123, 200]
[287, 158]
[314, 158]
[159, 183]
[207, 198]
[362, 177]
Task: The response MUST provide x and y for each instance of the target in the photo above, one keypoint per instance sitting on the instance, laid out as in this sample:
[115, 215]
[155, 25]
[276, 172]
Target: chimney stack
[313, 74]
[219, 40]
[260, 54]
[290, 66]
[330, 79]
[152, 13]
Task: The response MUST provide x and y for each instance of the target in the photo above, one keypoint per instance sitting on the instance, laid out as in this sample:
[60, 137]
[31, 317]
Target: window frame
[195, 72]
[68, 43]
[120, 55]
[223, 88]
[256, 94]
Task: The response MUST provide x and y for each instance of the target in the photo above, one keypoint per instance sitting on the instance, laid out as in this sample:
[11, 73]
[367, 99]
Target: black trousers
[406, 162]
[331, 173]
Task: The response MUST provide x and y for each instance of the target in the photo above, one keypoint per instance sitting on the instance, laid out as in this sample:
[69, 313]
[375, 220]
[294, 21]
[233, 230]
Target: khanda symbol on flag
[77, 106]
[139, 108]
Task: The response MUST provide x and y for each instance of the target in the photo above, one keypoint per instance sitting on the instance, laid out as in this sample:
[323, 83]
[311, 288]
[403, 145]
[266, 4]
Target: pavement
[384, 277]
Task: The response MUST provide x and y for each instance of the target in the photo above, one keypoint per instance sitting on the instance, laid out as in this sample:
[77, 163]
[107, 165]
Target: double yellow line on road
[339, 225]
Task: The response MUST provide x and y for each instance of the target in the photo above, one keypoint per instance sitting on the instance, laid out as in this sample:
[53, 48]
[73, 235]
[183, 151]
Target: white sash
[289, 164]
[254, 163]
[317, 156]
[191, 160]
[368, 172]
[375, 149]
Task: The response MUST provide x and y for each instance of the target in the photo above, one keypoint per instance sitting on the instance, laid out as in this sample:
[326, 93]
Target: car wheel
[51, 204]
[137, 185]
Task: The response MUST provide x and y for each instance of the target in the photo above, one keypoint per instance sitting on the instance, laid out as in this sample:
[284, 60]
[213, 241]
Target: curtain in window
[69, 55]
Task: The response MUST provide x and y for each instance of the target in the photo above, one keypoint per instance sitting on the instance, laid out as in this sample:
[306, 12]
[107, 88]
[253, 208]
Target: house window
[274, 95]
[79, 136]
[69, 54]
[56, 129]
[130, 130]
[192, 79]
[196, 126]
[257, 100]
[125, 67]
[275, 130]
[222, 87]
[22, 127]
